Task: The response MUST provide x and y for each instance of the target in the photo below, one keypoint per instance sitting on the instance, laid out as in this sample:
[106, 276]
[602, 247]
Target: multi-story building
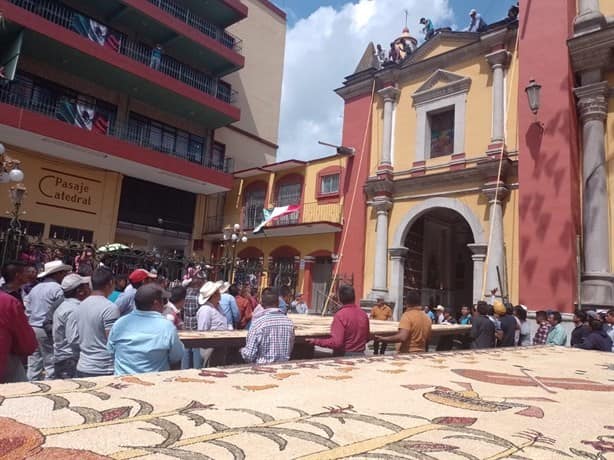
[127, 114]
[470, 185]
[297, 250]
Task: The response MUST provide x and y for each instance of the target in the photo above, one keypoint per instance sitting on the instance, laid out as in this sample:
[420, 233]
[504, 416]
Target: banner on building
[9, 57]
[95, 31]
[271, 215]
[83, 116]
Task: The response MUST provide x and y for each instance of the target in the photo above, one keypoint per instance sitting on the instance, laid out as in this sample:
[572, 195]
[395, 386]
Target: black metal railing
[66, 17]
[51, 106]
[197, 22]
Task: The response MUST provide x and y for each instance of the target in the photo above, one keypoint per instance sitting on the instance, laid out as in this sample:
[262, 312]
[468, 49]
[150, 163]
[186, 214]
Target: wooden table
[306, 327]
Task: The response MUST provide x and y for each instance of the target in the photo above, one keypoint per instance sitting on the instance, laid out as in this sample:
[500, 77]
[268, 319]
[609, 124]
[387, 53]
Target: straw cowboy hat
[224, 287]
[54, 266]
[207, 291]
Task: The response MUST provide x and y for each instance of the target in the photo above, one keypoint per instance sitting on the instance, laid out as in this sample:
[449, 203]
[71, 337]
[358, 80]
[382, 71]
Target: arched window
[254, 202]
[289, 192]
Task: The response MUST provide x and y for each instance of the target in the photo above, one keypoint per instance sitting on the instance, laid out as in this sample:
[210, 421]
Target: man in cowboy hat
[138, 278]
[65, 332]
[210, 318]
[41, 303]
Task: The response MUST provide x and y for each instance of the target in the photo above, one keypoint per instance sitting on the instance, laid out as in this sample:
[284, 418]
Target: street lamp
[533, 91]
[10, 171]
[232, 236]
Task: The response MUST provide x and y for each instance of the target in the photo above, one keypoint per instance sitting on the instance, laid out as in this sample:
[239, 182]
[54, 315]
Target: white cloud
[324, 48]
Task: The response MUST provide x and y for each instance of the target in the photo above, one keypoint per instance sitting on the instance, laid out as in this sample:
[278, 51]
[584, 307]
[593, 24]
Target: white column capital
[593, 101]
[496, 194]
[478, 251]
[398, 253]
[499, 58]
[389, 93]
[381, 205]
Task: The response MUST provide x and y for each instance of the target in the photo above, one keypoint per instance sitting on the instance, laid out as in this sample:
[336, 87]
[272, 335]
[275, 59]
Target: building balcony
[221, 12]
[48, 128]
[182, 33]
[113, 60]
[312, 218]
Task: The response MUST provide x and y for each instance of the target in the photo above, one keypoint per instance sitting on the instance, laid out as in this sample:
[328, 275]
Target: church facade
[463, 190]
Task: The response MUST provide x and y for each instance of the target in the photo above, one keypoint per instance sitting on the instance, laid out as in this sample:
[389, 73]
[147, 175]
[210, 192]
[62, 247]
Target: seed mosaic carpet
[526, 403]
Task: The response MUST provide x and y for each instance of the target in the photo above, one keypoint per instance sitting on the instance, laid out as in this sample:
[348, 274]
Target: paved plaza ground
[537, 403]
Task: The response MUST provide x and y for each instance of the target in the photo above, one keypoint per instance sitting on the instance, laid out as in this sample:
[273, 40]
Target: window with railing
[288, 194]
[59, 102]
[254, 204]
[217, 157]
[151, 56]
[197, 22]
[165, 138]
[91, 114]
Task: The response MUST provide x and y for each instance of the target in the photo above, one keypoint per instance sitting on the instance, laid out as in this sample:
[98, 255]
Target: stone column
[496, 246]
[498, 60]
[597, 283]
[397, 276]
[306, 285]
[390, 95]
[589, 19]
[380, 265]
[479, 257]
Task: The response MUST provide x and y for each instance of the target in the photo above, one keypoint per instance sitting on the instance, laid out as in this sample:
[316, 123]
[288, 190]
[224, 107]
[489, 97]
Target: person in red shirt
[17, 339]
[349, 332]
[245, 306]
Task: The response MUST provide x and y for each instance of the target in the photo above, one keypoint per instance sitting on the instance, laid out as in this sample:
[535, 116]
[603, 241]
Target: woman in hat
[210, 318]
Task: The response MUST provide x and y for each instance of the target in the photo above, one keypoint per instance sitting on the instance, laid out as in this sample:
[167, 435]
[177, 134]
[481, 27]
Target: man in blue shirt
[144, 340]
[228, 304]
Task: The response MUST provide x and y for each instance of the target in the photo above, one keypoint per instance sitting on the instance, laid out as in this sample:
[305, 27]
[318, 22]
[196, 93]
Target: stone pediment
[440, 84]
[443, 42]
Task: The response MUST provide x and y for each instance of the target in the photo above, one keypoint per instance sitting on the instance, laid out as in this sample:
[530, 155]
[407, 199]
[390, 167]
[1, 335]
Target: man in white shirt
[210, 318]
[299, 306]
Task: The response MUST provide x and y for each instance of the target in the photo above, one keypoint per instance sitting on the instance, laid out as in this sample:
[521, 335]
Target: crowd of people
[403, 47]
[67, 324]
[503, 325]
[60, 323]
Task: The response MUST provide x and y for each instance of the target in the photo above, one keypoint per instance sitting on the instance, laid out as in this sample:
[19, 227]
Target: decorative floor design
[537, 403]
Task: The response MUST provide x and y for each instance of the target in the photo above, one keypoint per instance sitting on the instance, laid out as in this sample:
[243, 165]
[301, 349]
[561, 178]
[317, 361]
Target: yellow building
[297, 250]
[442, 123]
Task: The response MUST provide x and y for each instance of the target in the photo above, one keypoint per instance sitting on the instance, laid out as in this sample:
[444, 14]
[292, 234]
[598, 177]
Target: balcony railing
[53, 108]
[66, 17]
[197, 22]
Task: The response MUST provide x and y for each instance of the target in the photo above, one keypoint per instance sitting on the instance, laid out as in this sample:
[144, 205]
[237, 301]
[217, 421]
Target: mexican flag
[270, 215]
[83, 116]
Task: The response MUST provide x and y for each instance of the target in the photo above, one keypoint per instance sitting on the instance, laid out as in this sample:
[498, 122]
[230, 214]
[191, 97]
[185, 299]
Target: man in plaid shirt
[541, 318]
[271, 336]
[191, 358]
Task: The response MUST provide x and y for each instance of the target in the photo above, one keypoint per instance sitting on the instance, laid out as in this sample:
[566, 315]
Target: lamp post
[10, 171]
[233, 235]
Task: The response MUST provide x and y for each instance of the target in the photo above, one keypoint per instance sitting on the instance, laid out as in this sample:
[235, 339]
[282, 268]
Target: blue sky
[491, 10]
[325, 41]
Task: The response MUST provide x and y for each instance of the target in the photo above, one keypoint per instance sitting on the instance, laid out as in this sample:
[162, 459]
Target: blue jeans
[192, 359]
